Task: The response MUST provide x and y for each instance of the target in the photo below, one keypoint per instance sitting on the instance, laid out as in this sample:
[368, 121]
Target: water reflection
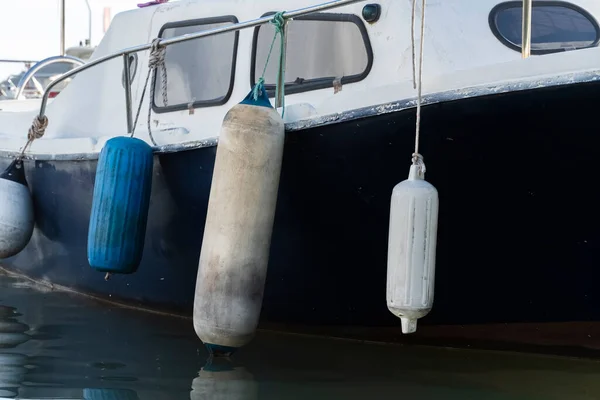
[12, 365]
[221, 379]
[109, 394]
[12, 374]
[79, 349]
[12, 332]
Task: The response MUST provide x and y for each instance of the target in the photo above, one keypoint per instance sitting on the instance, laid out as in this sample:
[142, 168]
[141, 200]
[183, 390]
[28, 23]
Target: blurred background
[30, 31]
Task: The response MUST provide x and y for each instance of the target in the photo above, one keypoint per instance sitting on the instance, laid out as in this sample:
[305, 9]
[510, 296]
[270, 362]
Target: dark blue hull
[519, 227]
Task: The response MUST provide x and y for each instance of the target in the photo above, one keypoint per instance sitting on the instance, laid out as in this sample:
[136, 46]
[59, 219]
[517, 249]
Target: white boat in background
[27, 92]
[500, 134]
[22, 91]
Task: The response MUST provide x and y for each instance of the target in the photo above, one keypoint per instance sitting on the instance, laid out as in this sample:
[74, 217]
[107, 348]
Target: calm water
[59, 346]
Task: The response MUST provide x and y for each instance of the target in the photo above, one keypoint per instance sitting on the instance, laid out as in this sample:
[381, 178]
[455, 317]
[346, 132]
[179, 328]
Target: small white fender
[411, 249]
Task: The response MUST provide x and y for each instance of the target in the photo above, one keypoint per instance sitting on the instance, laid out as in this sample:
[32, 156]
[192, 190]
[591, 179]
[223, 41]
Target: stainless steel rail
[184, 38]
[127, 85]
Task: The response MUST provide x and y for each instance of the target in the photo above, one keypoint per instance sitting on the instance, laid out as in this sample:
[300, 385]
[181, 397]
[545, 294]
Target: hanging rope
[279, 22]
[36, 131]
[412, 38]
[156, 61]
[417, 158]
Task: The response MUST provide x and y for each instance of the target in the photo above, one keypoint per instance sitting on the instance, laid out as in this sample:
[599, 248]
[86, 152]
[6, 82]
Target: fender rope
[279, 22]
[156, 61]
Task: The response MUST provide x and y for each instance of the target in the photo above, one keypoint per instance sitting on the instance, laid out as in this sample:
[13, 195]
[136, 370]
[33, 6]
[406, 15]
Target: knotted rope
[156, 61]
[38, 127]
[417, 159]
[279, 22]
[36, 131]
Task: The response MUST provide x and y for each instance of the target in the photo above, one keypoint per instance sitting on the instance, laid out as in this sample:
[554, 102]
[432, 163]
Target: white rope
[418, 158]
[412, 38]
[156, 61]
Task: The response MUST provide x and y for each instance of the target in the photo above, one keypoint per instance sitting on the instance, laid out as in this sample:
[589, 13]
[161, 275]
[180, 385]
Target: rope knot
[156, 62]
[38, 127]
[258, 88]
[279, 21]
[157, 54]
[417, 159]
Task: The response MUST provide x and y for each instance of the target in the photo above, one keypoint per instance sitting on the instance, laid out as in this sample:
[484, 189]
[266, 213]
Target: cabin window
[321, 49]
[200, 72]
[555, 26]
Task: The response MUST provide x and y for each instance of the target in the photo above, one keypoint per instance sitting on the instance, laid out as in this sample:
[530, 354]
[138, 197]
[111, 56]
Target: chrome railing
[179, 39]
[38, 66]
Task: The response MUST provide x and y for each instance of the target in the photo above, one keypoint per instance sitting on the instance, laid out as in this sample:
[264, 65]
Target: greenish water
[59, 346]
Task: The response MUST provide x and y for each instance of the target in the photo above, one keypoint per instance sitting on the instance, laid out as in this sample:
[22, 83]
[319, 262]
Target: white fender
[16, 211]
[411, 249]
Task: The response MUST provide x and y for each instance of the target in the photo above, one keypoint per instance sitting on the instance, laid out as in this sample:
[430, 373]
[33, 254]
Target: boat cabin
[341, 64]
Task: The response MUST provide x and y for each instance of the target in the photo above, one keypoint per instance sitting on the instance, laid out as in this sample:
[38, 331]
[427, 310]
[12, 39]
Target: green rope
[279, 22]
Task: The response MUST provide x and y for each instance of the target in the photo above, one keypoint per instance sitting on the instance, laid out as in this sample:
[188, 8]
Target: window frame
[201, 103]
[548, 3]
[318, 83]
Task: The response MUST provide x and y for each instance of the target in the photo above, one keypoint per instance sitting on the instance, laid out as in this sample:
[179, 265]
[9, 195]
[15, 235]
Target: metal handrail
[48, 61]
[179, 39]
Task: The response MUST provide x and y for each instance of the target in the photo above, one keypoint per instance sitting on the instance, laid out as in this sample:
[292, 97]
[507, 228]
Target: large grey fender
[237, 235]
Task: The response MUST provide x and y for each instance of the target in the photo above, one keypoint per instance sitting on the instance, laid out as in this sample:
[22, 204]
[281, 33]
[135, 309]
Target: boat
[23, 91]
[26, 93]
[501, 134]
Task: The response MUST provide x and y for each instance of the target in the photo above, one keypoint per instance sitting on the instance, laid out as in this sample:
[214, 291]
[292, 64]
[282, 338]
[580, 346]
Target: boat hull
[519, 226]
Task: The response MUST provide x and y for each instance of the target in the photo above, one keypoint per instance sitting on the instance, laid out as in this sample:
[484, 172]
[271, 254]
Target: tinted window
[57, 68]
[51, 72]
[320, 49]
[199, 71]
[553, 27]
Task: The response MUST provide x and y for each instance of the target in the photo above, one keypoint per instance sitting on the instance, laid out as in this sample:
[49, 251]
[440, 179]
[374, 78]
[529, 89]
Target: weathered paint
[360, 113]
